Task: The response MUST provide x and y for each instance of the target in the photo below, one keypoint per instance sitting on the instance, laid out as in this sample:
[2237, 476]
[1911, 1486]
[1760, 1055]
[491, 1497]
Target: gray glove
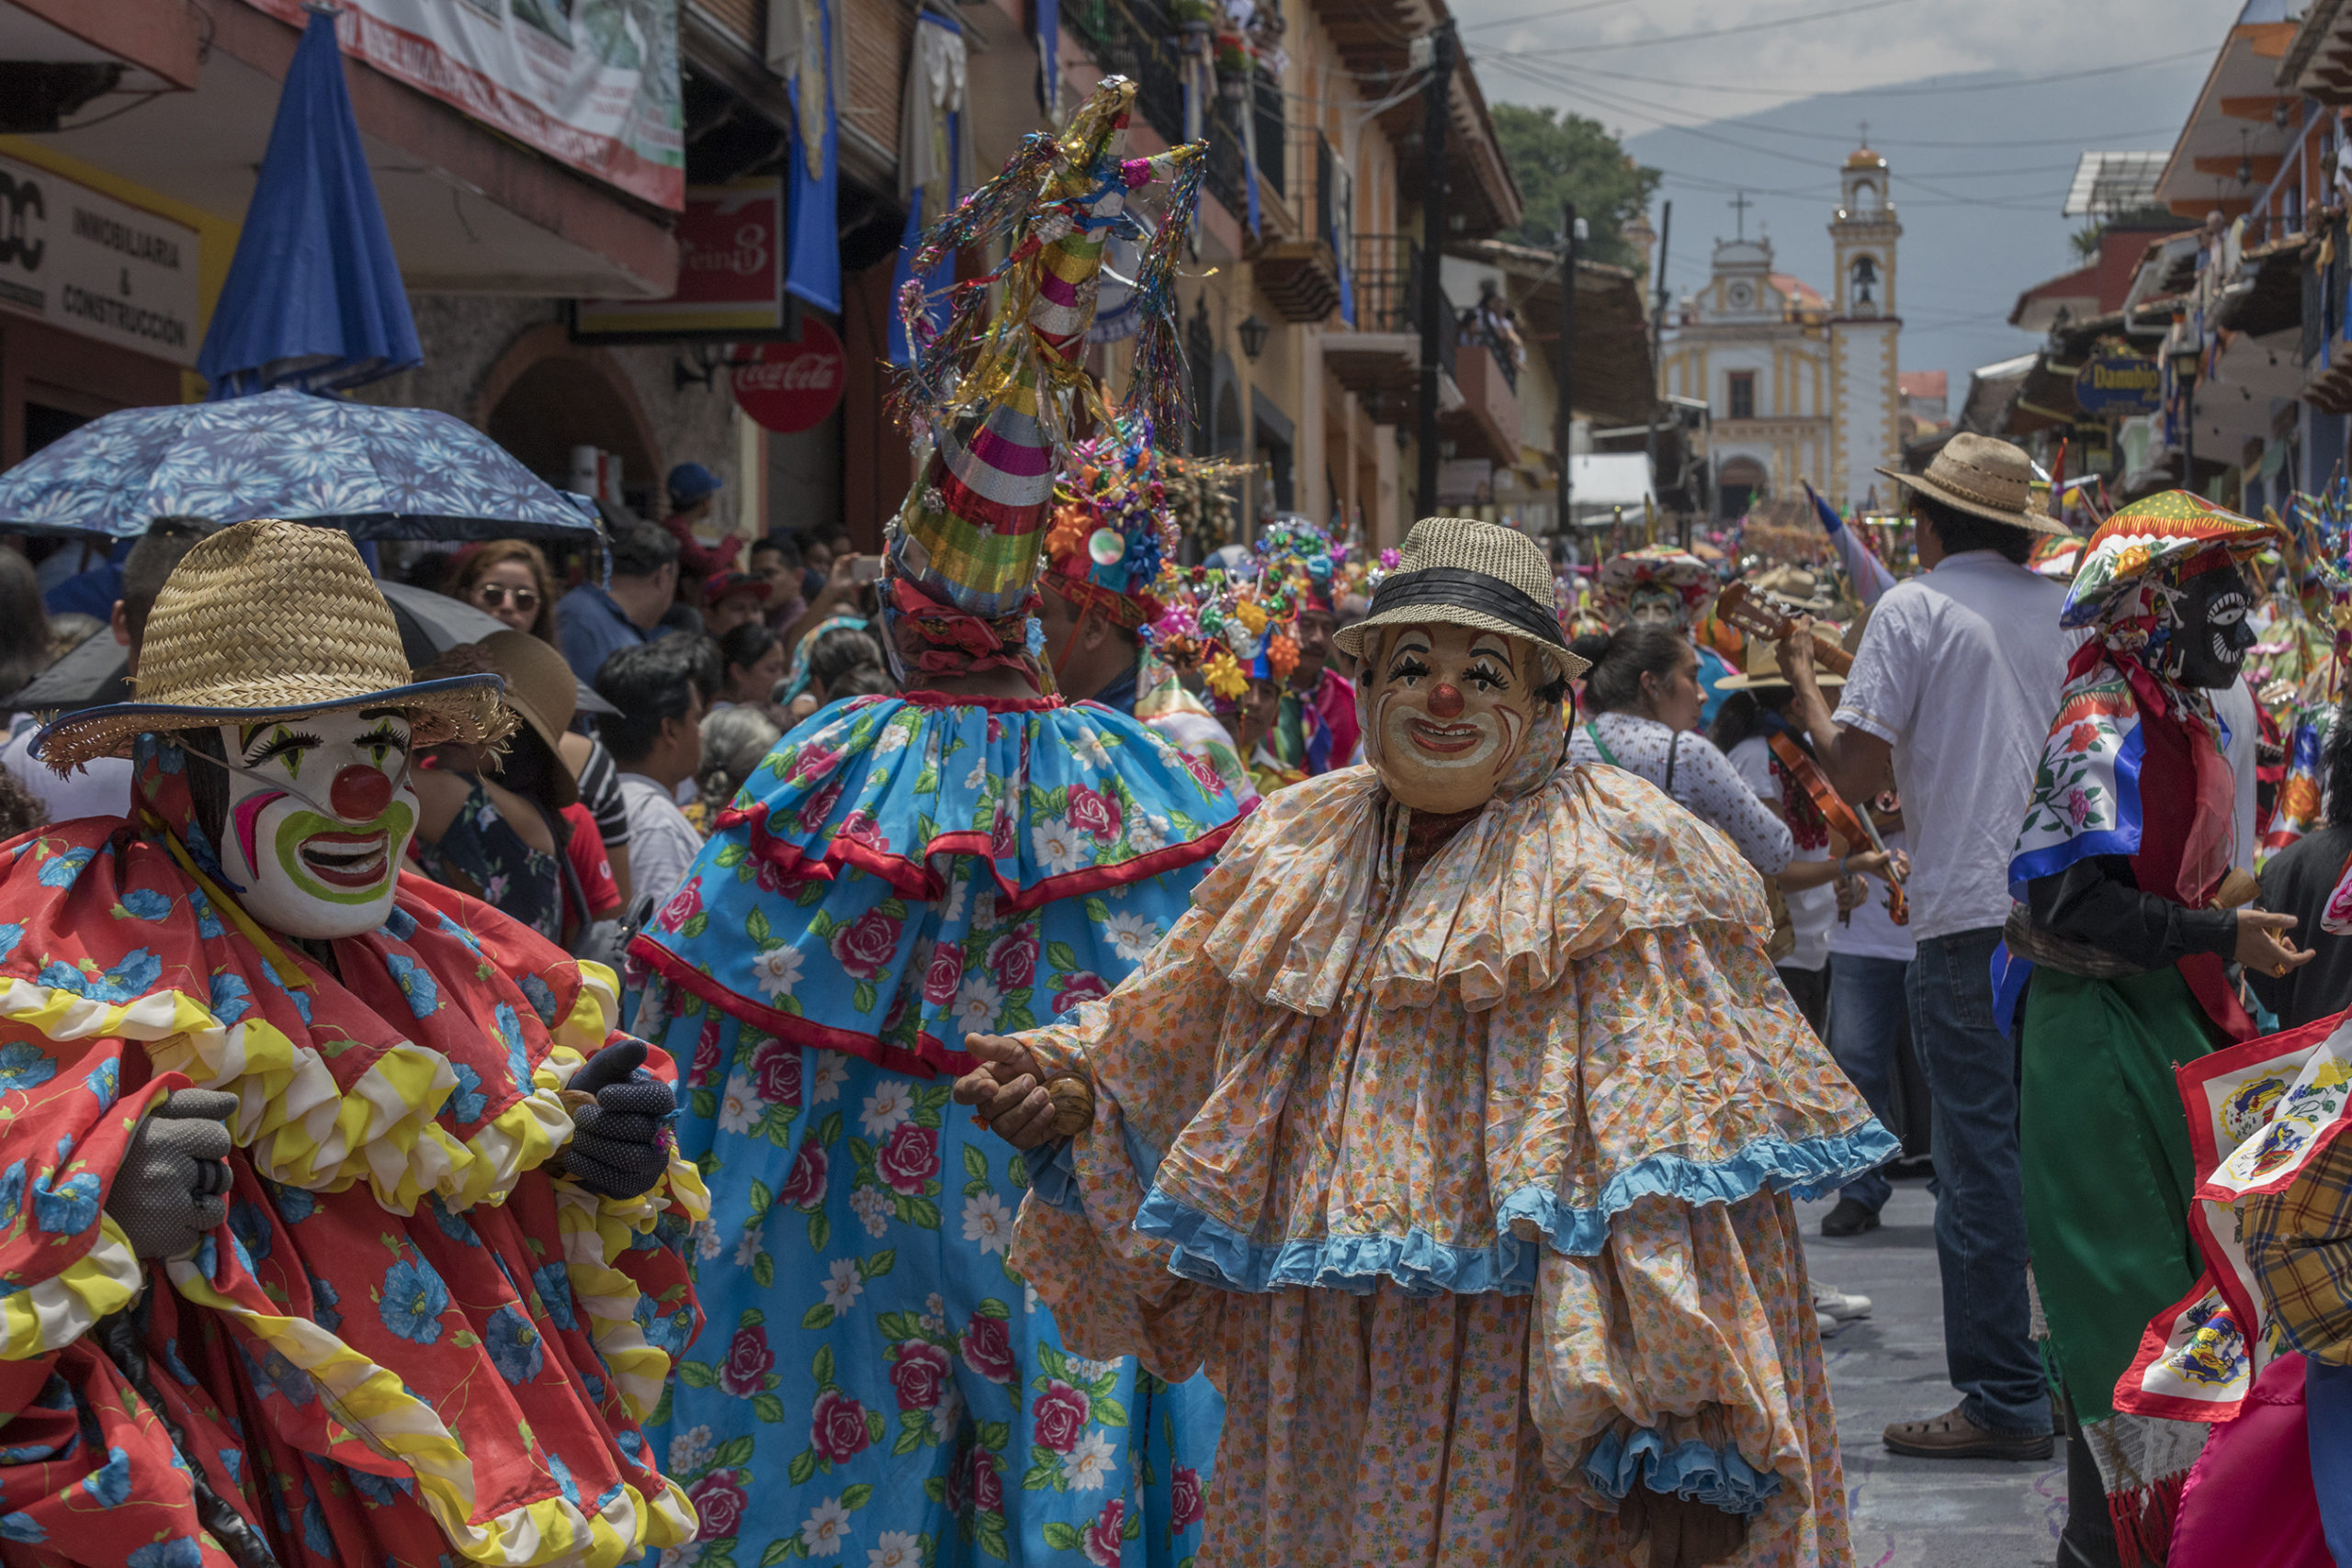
[175, 1178]
[620, 1145]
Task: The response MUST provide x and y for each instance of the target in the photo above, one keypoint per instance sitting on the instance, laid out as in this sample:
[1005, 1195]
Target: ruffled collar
[1528, 886]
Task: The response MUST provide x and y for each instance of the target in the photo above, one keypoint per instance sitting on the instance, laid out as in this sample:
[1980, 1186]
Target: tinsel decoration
[1158, 383]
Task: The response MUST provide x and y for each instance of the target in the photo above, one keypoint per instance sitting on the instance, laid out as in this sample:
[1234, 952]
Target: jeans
[1809, 990]
[1868, 1012]
[1971, 1075]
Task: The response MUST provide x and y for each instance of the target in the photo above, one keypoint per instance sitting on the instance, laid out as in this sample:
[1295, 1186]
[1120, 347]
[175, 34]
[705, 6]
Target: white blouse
[1703, 781]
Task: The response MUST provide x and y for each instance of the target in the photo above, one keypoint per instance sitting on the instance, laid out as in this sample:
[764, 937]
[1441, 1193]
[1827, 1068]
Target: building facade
[1800, 388]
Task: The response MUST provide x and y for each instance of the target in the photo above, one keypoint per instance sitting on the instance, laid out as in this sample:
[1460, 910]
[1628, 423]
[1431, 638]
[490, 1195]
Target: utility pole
[1564, 436]
[1658, 334]
[1437, 108]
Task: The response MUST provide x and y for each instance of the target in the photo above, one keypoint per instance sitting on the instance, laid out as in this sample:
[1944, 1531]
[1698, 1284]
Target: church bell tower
[1863, 326]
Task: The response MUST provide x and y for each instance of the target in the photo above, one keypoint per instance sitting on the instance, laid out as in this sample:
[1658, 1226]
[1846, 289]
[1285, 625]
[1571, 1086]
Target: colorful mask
[1655, 604]
[319, 817]
[1449, 711]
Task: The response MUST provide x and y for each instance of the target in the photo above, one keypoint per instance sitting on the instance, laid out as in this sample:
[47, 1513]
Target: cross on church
[1866, 133]
[1739, 204]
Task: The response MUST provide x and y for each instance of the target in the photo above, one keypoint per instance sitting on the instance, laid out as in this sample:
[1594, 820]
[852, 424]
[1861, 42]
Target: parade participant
[417, 1311]
[1318, 731]
[2119, 864]
[2302, 879]
[1658, 585]
[1642, 691]
[878, 1385]
[1951, 691]
[1100, 597]
[1241, 636]
[1454, 1128]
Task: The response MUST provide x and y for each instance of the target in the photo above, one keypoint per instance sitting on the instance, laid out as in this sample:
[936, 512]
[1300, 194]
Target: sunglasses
[492, 596]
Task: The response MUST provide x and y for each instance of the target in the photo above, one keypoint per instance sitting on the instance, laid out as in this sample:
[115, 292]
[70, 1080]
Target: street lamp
[2187, 360]
[1254, 333]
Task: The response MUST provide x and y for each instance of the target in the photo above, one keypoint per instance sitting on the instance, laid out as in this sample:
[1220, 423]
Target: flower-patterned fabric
[408, 1343]
[1557, 1070]
[880, 1386]
[841, 896]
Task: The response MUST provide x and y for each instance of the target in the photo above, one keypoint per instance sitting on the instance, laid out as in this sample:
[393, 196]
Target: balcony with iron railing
[1140, 39]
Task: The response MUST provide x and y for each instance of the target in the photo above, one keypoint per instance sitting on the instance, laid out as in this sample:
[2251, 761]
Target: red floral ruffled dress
[410, 1343]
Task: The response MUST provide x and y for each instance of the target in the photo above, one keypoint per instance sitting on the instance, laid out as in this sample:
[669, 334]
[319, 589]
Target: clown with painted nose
[374, 1141]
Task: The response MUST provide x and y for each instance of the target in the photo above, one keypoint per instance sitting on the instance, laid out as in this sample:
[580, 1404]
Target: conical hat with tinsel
[2148, 536]
[997, 394]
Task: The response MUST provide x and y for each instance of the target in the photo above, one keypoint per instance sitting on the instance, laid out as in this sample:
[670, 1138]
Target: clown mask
[1449, 713]
[319, 816]
[1654, 604]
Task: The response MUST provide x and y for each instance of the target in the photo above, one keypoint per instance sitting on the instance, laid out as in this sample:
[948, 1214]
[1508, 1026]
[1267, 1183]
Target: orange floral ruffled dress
[1470, 1185]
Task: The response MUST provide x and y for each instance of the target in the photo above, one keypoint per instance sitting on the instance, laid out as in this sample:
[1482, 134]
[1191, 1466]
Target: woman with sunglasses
[508, 578]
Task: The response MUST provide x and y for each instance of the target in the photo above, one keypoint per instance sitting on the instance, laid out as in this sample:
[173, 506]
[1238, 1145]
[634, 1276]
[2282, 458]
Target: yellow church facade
[1799, 388]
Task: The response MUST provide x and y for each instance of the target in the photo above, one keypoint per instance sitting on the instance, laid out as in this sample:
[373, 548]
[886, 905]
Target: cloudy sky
[1981, 108]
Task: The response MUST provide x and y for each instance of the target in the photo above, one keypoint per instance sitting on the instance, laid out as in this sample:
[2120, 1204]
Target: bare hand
[1795, 646]
[1851, 893]
[1873, 863]
[1008, 1090]
[2263, 944]
[839, 586]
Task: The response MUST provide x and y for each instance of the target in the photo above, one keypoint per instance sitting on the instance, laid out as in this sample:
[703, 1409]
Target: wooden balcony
[1299, 278]
[1487, 422]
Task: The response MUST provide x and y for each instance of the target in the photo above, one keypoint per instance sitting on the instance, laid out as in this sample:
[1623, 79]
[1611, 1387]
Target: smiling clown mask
[318, 815]
[1450, 710]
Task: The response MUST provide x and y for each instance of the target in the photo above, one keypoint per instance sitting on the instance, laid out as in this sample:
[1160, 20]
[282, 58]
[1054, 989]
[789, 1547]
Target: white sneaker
[1827, 1324]
[1834, 1302]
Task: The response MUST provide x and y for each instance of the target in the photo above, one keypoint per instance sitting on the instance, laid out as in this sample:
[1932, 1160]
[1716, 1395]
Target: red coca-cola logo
[788, 387]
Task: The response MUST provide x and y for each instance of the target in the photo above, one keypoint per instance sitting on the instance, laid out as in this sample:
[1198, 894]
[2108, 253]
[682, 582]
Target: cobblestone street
[1913, 1513]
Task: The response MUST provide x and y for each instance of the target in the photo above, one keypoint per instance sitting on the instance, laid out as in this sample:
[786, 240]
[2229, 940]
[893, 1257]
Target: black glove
[175, 1178]
[620, 1145]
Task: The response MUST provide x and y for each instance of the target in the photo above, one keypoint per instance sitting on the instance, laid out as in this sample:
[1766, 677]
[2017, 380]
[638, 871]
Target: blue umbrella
[379, 473]
[314, 297]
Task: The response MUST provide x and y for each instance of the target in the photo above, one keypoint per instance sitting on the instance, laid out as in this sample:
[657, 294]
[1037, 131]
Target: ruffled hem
[884, 785]
[294, 1123]
[1216, 1254]
[1692, 1470]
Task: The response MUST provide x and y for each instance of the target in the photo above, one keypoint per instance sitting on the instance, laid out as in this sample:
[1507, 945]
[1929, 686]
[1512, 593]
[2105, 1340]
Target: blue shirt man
[592, 623]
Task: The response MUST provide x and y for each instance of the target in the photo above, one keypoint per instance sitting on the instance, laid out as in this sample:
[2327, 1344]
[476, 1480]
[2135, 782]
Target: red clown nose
[360, 793]
[1446, 701]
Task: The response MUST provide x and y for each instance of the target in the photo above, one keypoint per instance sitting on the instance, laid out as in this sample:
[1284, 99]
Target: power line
[1723, 32]
[1907, 91]
[1553, 12]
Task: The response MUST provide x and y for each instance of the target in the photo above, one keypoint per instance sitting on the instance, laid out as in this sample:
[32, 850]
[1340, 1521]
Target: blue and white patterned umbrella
[377, 473]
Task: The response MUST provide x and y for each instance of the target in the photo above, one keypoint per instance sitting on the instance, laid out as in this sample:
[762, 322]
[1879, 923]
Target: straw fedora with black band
[271, 619]
[1983, 478]
[1467, 574]
[1762, 672]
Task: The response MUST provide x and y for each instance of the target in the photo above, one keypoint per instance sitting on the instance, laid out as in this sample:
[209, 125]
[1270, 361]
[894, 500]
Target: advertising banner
[593, 84]
[87, 263]
[731, 272]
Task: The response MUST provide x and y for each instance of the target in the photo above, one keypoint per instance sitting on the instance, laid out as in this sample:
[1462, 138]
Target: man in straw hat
[977, 853]
[344, 1222]
[1419, 1131]
[1950, 692]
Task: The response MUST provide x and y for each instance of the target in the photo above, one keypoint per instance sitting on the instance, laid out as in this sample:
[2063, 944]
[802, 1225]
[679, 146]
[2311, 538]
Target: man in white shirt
[656, 739]
[1952, 693]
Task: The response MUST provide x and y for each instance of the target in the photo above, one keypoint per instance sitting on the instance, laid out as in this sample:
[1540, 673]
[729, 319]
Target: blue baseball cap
[690, 482]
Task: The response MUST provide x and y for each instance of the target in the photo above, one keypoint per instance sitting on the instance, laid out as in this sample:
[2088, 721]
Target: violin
[1760, 618]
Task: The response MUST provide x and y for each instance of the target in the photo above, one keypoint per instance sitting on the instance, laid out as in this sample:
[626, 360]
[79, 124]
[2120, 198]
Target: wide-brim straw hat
[271, 619]
[1469, 574]
[543, 695]
[1984, 477]
[1762, 670]
[1797, 588]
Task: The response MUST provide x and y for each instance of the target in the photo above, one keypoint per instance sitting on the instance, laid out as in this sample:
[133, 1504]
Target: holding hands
[1010, 1091]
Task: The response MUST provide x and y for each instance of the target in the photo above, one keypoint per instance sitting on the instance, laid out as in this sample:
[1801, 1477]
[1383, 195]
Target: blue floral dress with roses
[876, 1386]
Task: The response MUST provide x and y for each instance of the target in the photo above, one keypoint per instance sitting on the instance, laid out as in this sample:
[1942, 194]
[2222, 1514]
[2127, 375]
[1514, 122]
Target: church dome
[1863, 158]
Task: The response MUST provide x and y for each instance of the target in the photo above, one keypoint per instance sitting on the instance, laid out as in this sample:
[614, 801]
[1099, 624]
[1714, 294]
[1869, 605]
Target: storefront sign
[87, 263]
[731, 273]
[792, 386]
[2119, 385]
[590, 83]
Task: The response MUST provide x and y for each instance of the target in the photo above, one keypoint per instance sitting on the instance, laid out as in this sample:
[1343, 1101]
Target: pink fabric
[1334, 703]
[2249, 1501]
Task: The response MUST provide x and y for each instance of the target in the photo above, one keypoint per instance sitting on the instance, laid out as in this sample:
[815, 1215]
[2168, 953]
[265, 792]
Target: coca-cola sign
[788, 387]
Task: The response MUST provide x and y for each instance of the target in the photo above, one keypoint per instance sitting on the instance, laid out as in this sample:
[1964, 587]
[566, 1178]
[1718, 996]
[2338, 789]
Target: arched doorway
[1740, 482]
[547, 394]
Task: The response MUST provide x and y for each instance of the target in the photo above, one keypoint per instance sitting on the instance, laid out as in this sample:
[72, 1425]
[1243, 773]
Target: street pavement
[1916, 1513]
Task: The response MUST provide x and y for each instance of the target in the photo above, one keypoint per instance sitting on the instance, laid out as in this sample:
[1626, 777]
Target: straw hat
[1469, 574]
[269, 619]
[1762, 670]
[1797, 588]
[540, 690]
[1985, 478]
